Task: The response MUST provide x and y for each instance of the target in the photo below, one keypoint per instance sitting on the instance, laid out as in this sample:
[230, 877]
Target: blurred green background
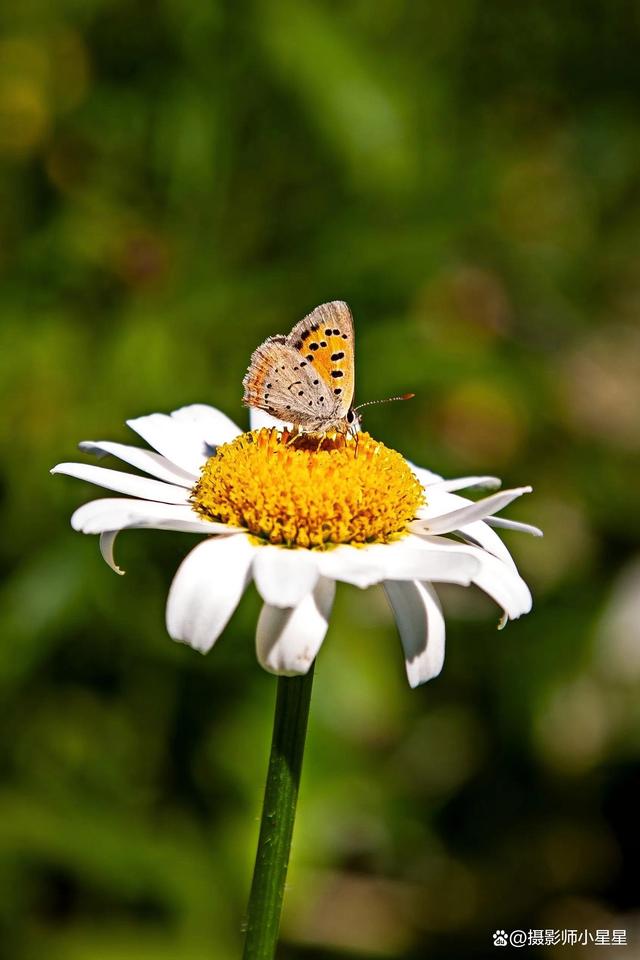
[178, 182]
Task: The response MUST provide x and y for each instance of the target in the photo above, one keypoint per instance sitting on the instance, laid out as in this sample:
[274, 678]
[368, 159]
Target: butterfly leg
[293, 436]
[353, 432]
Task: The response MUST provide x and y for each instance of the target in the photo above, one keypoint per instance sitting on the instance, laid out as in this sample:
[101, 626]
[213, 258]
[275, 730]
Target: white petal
[425, 477]
[287, 641]
[515, 525]
[499, 580]
[107, 540]
[120, 513]
[466, 483]
[421, 626]
[283, 577]
[505, 586]
[477, 532]
[481, 534]
[437, 522]
[207, 589]
[121, 482]
[406, 559]
[211, 425]
[177, 441]
[260, 418]
[147, 460]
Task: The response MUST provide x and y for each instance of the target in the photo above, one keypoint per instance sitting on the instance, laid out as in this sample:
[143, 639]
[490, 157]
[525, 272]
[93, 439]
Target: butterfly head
[353, 420]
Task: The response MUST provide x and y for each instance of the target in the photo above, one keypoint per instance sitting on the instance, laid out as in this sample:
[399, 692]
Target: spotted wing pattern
[325, 339]
[306, 378]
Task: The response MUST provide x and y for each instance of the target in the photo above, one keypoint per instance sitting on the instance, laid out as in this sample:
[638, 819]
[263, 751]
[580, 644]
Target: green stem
[278, 815]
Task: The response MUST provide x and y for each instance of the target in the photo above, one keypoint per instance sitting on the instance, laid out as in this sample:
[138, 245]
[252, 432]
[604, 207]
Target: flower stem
[278, 815]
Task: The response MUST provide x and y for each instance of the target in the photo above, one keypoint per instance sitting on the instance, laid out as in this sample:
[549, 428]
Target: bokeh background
[178, 182]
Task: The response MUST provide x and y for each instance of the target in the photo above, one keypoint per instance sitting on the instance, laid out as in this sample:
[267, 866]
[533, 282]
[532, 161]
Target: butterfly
[307, 378]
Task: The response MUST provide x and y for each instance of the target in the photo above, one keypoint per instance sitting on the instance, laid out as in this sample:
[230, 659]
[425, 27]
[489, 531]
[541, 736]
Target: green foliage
[179, 181]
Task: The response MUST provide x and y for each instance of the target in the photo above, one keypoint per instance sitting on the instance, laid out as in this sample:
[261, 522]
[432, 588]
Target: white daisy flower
[295, 519]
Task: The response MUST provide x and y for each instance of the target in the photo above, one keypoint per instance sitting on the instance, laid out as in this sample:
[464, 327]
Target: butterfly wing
[285, 385]
[325, 341]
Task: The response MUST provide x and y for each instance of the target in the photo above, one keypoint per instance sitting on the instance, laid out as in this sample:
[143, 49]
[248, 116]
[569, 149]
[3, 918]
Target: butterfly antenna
[371, 403]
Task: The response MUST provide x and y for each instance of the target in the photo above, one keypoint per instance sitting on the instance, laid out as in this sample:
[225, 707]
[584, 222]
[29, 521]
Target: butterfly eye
[351, 416]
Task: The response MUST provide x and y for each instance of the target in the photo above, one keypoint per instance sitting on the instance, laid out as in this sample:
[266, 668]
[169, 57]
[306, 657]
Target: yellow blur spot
[481, 423]
[40, 77]
[24, 118]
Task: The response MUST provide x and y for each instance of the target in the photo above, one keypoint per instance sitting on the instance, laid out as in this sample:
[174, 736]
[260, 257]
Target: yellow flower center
[307, 491]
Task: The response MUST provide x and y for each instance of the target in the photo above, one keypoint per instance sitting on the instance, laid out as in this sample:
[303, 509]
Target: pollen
[309, 491]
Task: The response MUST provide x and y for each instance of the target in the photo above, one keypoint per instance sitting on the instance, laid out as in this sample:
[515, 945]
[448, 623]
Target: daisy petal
[124, 482]
[436, 523]
[515, 525]
[107, 540]
[420, 623]
[477, 532]
[147, 460]
[260, 418]
[466, 483]
[178, 442]
[499, 580]
[426, 477]
[406, 559]
[505, 586]
[207, 589]
[287, 641]
[283, 577]
[211, 425]
[120, 513]
[480, 534]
